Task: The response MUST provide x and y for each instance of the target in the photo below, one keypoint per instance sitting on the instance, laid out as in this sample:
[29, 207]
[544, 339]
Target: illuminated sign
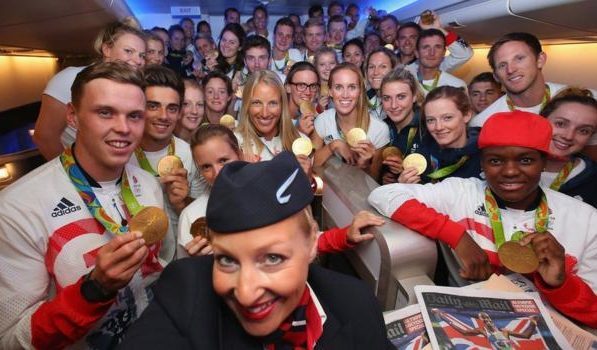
[185, 11]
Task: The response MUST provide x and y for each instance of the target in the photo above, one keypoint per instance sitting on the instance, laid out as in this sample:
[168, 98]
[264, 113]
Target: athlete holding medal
[71, 274]
[478, 218]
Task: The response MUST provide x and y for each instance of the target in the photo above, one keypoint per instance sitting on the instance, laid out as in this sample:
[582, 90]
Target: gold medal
[290, 63]
[417, 161]
[302, 146]
[199, 228]
[228, 121]
[152, 222]
[239, 91]
[427, 17]
[324, 90]
[518, 258]
[355, 135]
[306, 108]
[168, 164]
[391, 151]
[389, 47]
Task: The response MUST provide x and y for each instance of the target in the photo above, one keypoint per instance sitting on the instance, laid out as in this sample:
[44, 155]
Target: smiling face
[128, 48]
[265, 110]
[193, 108]
[212, 155]
[189, 28]
[261, 274]
[431, 51]
[177, 40]
[483, 94]
[345, 91]
[283, 37]
[161, 114]
[517, 67]
[573, 125]
[155, 52]
[216, 95]
[446, 123]
[407, 40]
[337, 33]
[204, 46]
[397, 100]
[325, 63]
[260, 20]
[314, 36]
[229, 45]
[388, 31]
[379, 66]
[109, 121]
[354, 55]
[513, 173]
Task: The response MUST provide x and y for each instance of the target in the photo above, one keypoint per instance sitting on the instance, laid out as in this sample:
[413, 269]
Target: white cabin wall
[571, 64]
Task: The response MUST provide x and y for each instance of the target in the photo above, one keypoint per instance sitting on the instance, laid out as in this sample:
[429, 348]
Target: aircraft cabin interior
[38, 39]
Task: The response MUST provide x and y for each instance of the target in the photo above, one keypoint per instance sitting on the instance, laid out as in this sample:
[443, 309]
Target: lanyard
[562, 176]
[281, 70]
[144, 162]
[445, 171]
[86, 193]
[544, 101]
[541, 218]
[433, 85]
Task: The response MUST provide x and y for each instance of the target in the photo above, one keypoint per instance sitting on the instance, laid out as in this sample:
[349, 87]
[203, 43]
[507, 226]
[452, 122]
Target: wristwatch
[93, 291]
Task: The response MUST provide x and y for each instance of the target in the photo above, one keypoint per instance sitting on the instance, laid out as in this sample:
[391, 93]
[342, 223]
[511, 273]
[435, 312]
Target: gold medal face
[391, 151]
[355, 135]
[228, 121]
[518, 258]
[306, 108]
[199, 228]
[152, 222]
[168, 164]
[417, 161]
[302, 146]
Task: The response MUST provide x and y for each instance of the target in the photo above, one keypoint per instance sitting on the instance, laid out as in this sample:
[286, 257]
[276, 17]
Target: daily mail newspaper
[406, 328]
[459, 319]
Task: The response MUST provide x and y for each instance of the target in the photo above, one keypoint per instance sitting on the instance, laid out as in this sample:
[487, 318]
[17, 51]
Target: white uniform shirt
[327, 129]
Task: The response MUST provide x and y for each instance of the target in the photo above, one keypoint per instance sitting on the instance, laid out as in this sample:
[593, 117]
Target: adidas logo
[64, 207]
[481, 210]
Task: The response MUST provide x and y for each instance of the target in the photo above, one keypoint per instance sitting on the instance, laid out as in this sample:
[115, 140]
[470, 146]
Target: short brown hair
[452, 93]
[206, 132]
[118, 72]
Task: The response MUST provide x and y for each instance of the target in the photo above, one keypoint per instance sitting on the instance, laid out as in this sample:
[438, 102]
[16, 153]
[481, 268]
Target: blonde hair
[115, 30]
[247, 130]
[362, 102]
[402, 75]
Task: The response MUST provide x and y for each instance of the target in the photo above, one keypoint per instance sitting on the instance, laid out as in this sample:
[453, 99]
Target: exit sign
[185, 11]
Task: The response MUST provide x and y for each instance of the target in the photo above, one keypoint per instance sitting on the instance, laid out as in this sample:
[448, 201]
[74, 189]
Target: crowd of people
[509, 156]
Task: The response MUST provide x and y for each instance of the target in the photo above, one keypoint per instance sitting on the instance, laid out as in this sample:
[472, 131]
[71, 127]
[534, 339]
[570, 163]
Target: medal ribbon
[88, 196]
[410, 138]
[286, 59]
[562, 176]
[445, 171]
[433, 85]
[541, 218]
[144, 162]
[544, 101]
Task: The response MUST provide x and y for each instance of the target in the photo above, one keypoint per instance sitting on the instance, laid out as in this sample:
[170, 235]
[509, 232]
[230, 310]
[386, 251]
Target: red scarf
[300, 330]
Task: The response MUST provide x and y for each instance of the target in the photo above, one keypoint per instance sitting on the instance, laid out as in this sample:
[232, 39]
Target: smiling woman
[258, 291]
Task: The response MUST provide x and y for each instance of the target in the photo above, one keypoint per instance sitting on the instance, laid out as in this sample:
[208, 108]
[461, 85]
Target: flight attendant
[258, 291]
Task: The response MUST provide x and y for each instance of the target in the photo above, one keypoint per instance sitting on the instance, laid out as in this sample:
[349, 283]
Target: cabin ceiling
[68, 27]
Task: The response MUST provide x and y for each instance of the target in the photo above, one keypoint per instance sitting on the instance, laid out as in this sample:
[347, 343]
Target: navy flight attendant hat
[247, 196]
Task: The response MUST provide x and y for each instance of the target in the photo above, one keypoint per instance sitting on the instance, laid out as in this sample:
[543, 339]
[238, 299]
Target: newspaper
[457, 318]
[406, 329]
[579, 338]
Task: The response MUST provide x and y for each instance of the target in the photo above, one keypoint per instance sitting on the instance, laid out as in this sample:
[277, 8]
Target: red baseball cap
[516, 128]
